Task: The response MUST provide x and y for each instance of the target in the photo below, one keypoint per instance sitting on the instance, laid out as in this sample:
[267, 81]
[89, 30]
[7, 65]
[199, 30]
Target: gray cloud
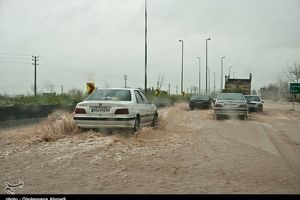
[105, 39]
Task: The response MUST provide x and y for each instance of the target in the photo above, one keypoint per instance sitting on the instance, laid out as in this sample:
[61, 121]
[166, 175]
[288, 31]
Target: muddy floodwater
[189, 152]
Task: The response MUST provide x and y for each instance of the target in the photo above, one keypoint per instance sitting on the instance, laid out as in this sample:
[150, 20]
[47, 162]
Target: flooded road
[189, 152]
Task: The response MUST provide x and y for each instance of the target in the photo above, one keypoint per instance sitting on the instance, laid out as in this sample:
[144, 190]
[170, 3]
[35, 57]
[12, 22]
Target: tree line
[280, 89]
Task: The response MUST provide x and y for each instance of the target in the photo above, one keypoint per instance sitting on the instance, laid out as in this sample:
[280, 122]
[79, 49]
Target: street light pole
[145, 46]
[206, 62]
[181, 66]
[125, 79]
[208, 80]
[199, 75]
[229, 70]
[222, 73]
[214, 83]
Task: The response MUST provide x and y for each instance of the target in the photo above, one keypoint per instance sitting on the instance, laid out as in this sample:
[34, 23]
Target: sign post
[157, 92]
[294, 89]
[90, 87]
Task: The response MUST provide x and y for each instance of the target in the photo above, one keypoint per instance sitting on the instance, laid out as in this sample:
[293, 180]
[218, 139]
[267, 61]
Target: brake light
[80, 111]
[243, 106]
[218, 105]
[122, 111]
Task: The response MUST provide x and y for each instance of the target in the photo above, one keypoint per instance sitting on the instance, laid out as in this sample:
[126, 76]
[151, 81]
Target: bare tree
[160, 80]
[253, 92]
[293, 72]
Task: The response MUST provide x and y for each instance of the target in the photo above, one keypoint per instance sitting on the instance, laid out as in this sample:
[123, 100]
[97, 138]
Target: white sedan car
[116, 108]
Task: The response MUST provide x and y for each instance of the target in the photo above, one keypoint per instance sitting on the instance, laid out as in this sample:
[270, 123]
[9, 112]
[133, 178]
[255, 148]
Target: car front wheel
[154, 121]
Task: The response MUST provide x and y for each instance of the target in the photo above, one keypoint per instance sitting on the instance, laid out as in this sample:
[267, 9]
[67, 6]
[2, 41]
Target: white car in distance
[116, 108]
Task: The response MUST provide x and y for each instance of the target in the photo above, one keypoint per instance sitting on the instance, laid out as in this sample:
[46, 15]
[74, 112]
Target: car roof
[119, 89]
[200, 94]
[230, 93]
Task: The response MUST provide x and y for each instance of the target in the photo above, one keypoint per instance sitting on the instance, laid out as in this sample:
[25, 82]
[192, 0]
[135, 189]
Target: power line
[7, 61]
[57, 63]
[60, 68]
[10, 54]
[14, 58]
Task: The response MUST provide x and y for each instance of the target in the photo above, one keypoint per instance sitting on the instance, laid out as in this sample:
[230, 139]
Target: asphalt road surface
[189, 152]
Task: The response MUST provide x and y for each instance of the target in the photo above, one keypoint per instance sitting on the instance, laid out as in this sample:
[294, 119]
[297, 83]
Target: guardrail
[30, 111]
[18, 112]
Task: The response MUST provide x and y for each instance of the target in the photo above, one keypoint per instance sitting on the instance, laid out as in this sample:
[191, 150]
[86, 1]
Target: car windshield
[110, 95]
[199, 97]
[235, 96]
[252, 98]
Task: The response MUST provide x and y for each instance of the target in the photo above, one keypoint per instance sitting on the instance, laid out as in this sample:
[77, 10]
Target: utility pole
[176, 89]
[125, 78]
[145, 46]
[169, 88]
[35, 59]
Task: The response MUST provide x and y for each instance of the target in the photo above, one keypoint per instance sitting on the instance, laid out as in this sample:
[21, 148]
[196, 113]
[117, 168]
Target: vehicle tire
[154, 120]
[191, 108]
[260, 109]
[217, 117]
[245, 117]
[136, 127]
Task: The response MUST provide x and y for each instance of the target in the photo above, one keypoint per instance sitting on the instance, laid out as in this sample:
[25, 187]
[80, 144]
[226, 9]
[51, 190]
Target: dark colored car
[231, 104]
[199, 101]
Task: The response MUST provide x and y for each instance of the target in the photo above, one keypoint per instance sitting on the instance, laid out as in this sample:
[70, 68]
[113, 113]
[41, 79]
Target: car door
[149, 109]
[141, 107]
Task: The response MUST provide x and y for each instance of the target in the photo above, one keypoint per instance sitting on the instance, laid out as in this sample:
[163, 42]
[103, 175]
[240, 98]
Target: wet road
[189, 152]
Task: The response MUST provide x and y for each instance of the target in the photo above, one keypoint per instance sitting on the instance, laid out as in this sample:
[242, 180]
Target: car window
[110, 95]
[200, 97]
[144, 97]
[236, 97]
[255, 98]
[138, 97]
[252, 98]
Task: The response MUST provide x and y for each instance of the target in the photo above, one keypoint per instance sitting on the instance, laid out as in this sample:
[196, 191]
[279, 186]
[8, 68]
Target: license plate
[230, 105]
[100, 109]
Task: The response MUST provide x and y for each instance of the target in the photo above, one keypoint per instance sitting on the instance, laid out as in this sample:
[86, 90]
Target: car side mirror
[262, 101]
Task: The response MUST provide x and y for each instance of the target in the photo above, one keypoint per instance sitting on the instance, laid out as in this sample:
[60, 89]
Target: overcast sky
[101, 40]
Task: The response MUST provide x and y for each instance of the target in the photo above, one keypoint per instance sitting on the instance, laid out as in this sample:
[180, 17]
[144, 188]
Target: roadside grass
[66, 100]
